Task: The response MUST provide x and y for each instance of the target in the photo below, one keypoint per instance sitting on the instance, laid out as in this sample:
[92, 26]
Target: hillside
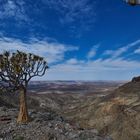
[47, 119]
[113, 112]
[116, 114]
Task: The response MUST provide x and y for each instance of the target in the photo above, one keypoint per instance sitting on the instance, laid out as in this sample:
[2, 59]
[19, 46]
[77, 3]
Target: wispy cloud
[122, 50]
[137, 51]
[101, 65]
[75, 16]
[114, 67]
[72, 11]
[53, 51]
[93, 51]
[94, 70]
[72, 68]
[13, 9]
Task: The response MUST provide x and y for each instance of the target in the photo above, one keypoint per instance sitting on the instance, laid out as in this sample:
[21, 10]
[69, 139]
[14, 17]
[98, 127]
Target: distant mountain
[83, 87]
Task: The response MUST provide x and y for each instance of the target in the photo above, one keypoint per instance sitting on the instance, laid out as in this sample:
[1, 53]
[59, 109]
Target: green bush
[19, 138]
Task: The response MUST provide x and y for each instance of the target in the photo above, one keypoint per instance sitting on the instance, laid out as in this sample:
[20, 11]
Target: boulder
[136, 79]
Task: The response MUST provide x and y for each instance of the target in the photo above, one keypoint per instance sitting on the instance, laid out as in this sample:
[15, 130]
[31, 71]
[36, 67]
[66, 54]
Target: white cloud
[82, 11]
[114, 65]
[73, 69]
[13, 9]
[120, 51]
[66, 12]
[53, 51]
[117, 69]
[108, 52]
[137, 51]
[93, 51]
[112, 68]
[72, 61]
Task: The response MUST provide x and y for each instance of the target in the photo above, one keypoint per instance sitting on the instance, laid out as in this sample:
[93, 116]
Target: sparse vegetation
[19, 138]
[16, 70]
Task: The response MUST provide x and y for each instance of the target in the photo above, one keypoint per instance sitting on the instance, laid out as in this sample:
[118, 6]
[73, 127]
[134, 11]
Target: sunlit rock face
[133, 2]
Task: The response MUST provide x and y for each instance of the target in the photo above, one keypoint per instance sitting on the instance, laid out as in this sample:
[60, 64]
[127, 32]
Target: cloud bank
[114, 67]
[53, 51]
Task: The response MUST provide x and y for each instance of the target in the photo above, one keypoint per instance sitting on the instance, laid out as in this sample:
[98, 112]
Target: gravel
[43, 126]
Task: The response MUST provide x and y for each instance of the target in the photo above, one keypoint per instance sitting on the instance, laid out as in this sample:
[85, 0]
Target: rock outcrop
[136, 79]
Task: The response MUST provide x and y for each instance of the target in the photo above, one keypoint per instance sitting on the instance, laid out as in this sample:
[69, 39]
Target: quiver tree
[16, 70]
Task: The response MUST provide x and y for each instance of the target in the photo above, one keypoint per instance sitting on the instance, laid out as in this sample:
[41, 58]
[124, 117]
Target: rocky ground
[66, 116]
[44, 125]
[116, 114]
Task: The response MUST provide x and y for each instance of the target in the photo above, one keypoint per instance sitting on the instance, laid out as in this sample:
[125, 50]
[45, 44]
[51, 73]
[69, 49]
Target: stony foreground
[43, 126]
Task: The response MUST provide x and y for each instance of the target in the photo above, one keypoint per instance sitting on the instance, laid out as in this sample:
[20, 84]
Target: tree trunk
[23, 113]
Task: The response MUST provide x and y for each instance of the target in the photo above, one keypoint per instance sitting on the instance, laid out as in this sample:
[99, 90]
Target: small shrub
[19, 138]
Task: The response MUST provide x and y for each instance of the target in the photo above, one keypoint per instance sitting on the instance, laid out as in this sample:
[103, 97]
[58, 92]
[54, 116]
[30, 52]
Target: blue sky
[81, 39]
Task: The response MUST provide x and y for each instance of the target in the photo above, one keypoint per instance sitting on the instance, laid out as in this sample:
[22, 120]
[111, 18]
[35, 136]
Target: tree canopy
[16, 69]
